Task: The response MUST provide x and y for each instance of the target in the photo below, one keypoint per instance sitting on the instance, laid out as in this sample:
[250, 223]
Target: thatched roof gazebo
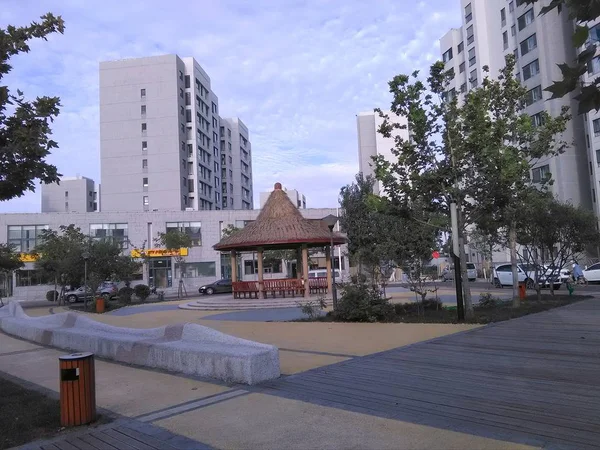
[280, 225]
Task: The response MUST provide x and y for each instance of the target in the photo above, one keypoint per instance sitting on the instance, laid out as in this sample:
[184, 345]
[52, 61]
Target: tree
[24, 134]
[9, 262]
[175, 240]
[584, 12]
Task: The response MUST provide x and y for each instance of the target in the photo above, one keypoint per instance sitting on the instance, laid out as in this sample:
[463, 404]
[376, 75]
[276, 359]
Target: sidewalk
[233, 416]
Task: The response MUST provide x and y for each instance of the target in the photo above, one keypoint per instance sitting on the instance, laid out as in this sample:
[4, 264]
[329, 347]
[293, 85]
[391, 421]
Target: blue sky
[296, 72]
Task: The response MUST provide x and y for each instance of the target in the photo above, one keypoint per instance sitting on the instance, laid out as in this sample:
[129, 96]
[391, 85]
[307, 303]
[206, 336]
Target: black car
[218, 287]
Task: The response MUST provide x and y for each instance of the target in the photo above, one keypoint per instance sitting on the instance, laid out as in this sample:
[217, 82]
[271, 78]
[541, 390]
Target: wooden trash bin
[77, 389]
[100, 305]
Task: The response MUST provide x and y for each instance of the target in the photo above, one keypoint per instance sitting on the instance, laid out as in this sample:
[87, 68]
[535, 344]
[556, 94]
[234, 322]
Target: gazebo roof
[279, 225]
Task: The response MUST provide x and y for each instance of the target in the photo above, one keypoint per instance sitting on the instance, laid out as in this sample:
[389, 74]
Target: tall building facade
[493, 29]
[371, 143]
[159, 136]
[73, 195]
[295, 197]
[236, 165]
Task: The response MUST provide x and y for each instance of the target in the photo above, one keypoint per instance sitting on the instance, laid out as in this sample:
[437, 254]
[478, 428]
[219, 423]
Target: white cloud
[295, 72]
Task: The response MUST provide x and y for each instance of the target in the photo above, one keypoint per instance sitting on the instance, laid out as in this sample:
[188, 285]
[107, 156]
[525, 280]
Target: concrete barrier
[184, 348]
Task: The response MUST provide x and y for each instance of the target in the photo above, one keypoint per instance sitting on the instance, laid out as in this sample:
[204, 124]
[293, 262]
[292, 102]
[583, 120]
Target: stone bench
[184, 348]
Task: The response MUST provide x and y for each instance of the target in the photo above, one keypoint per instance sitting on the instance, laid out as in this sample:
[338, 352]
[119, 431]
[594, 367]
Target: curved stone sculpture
[185, 348]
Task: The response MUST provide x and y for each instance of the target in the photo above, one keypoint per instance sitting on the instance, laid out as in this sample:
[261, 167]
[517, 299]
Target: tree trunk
[469, 313]
[512, 244]
[491, 263]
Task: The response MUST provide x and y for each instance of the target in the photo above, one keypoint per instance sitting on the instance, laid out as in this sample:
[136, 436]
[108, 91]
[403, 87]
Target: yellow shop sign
[159, 252]
[29, 257]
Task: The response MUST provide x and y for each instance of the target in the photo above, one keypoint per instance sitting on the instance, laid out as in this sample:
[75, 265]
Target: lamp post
[330, 221]
[85, 256]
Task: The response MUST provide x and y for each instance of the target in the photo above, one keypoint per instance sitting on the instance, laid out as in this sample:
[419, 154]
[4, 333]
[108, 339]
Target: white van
[322, 273]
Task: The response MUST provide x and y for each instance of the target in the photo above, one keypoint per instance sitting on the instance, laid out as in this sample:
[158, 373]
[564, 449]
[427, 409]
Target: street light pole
[85, 256]
[330, 221]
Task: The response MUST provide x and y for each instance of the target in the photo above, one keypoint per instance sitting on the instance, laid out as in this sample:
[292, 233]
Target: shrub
[51, 296]
[432, 305]
[125, 294]
[487, 300]
[363, 302]
[312, 308]
[141, 291]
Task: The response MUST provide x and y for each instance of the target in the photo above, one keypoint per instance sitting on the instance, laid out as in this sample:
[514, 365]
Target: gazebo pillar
[233, 266]
[299, 264]
[305, 270]
[328, 266]
[259, 255]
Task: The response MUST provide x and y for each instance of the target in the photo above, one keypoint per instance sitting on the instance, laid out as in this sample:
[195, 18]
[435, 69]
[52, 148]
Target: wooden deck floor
[533, 380]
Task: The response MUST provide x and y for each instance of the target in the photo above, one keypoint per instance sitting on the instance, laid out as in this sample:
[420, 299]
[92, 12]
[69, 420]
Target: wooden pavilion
[281, 226]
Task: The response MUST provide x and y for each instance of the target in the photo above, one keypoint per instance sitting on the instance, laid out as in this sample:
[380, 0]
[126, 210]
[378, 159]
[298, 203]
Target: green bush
[363, 302]
[487, 300]
[141, 291]
[312, 308]
[125, 294]
[51, 296]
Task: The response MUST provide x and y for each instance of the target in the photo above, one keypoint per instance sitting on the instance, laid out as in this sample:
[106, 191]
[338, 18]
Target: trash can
[522, 290]
[77, 389]
[100, 305]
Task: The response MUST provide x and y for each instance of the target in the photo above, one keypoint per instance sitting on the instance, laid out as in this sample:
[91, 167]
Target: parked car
[108, 290]
[592, 273]
[322, 273]
[218, 287]
[448, 272]
[563, 274]
[78, 295]
[525, 273]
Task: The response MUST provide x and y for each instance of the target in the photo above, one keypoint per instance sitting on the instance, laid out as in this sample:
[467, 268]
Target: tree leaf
[581, 35]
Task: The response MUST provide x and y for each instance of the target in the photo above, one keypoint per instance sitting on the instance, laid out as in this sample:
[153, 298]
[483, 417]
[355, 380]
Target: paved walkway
[532, 380]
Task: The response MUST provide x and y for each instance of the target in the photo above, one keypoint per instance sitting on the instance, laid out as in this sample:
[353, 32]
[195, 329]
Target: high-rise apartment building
[295, 197]
[493, 29]
[73, 194]
[236, 165]
[159, 136]
[371, 143]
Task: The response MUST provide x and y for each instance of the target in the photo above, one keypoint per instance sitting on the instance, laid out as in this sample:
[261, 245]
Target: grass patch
[490, 311]
[26, 415]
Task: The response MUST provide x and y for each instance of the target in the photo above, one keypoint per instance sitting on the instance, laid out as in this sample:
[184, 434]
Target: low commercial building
[136, 230]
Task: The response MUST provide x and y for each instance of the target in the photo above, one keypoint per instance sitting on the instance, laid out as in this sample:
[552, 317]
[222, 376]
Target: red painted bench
[292, 286]
[247, 289]
[318, 285]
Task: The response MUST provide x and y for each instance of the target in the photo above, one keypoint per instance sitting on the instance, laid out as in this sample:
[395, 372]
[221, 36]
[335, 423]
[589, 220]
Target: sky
[296, 72]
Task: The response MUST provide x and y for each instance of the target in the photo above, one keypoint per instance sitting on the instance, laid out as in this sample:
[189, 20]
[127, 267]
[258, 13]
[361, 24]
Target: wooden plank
[145, 438]
[81, 445]
[127, 440]
[94, 441]
[50, 447]
[109, 440]
[64, 445]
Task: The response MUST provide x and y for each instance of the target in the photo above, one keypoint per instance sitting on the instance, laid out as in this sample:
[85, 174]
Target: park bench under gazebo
[281, 226]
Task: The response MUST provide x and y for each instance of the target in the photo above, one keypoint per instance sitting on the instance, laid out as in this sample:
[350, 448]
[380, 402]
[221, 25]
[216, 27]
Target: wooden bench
[292, 286]
[318, 285]
[247, 289]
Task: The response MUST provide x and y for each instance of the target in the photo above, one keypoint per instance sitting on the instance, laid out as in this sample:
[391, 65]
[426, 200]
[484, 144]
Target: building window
[596, 124]
[192, 229]
[526, 19]
[142, 94]
[32, 278]
[511, 6]
[143, 110]
[473, 79]
[598, 157]
[537, 119]
[181, 75]
[505, 39]
[520, 2]
[146, 203]
[472, 58]
[516, 53]
[114, 232]
[594, 65]
[214, 108]
[145, 182]
[228, 133]
[144, 127]
[540, 174]
[66, 194]
[513, 30]
[144, 163]
[24, 238]
[187, 81]
[503, 17]
[463, 87]
[447, 56]
[197, 270]
[181, 92]
[461, 68]
[528, 44]
[461, 47]
[188, 115]
[594, 195]
[144, 145]
[470, 35]
[468, 13]
[531, 69]
[534, 95]
[182, 111]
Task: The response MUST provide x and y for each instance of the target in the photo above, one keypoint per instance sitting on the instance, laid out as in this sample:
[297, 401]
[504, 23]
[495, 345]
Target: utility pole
[460, 310]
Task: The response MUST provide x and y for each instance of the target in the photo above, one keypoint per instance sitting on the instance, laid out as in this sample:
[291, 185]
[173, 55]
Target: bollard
[77, 389]
[100, 305]
[522, 290]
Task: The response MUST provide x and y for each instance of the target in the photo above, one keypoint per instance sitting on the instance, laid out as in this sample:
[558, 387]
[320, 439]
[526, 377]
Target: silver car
[448, 273]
